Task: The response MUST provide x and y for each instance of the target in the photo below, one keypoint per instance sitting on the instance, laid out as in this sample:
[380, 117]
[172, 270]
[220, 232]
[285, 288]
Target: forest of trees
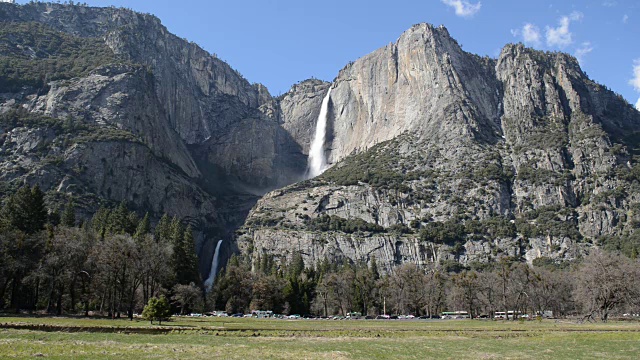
[114, 263]
[600, 285]
[111, 264]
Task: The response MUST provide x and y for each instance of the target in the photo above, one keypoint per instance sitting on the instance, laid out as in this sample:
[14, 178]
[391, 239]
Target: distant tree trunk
[59, 303]
[15, 287]
[36, 297]
[85, 297]
[52, 289]
[2, 291]
[72, 292]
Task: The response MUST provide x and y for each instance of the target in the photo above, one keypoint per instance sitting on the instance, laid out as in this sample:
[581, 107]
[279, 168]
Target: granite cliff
[443, 156]
[437, 155]
[105, 105]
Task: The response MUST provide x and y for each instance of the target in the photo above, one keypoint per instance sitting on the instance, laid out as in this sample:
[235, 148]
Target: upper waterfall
[317, 159]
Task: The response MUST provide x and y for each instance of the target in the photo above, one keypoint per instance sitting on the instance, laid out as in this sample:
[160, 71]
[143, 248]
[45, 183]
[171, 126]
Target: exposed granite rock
[420, 133]
[441, 134]
[299, 110]
[178, 130]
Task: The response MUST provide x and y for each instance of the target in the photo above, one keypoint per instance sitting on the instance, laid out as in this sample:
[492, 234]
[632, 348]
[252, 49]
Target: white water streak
[208, 284]
[317, 161]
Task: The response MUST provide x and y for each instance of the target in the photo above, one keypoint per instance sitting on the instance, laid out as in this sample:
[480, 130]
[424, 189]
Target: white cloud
[635, 81]
[625, 18]
[531, 34]
[583, 50]
[561, 36]
[463, 8]
[576, 16]
[609, 3]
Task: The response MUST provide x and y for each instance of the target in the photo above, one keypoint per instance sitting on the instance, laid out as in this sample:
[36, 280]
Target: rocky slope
[438, 155]
[443, 156]
[104, 104]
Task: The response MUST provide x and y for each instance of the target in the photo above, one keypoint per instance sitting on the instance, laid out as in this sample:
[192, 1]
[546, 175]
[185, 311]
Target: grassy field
[225, 338]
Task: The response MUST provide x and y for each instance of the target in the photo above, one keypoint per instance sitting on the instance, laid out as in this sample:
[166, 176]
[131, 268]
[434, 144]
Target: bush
[336, 223]
[157, 309]
[449, 232]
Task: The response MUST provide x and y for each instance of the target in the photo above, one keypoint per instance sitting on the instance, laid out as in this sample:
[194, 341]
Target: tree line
[115, 262]
[111, 264]
[593, 288]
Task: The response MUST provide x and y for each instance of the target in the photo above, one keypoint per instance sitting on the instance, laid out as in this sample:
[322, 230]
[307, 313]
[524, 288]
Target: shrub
[157, 309]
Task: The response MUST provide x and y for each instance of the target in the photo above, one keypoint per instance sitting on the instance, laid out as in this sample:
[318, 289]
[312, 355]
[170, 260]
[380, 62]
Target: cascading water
[208, 284]
[317, 161]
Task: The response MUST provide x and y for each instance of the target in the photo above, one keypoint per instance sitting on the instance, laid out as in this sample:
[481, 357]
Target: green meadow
[229, 338]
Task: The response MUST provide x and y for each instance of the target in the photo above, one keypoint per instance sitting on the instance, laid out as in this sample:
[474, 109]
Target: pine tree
[297, 265]
[132, 223]
[143, 228]
[187, 269]
[157, 309]
[68, 218]
[176, 230]
[375, 273]
[53, 218]
[118, 220]
[25, 210]
[100, 221]
[162, 230]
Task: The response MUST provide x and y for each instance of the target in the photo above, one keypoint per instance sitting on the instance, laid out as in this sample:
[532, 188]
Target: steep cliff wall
[444, 156]
[139, 115]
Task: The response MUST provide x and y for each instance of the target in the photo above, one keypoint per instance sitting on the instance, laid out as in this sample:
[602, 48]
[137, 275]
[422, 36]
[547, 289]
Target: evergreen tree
[25, 210]
[187, 267]
[297, 265]
[176, 230]
[143, 228]
[118, 222]
[100, 220]
[162, 230]
[157, 309]
[132, 223]
[375, 273]
[69, 215]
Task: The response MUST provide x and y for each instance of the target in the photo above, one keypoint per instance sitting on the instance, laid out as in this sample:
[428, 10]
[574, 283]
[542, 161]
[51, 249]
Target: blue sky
[279, 43]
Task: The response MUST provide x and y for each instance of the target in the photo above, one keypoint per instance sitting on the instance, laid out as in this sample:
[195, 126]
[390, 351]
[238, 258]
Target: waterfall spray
[208, 284]
[317, 161]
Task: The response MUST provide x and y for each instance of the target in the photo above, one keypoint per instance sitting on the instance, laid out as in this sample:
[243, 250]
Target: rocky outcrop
[527, 155]
[438, 155]
[299, 110]
[202, 98]
[107, 97]
[146, 117]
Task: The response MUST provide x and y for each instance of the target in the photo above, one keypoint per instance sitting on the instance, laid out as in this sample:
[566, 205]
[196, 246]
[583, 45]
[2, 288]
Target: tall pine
[68, 218]
[25, 210]
[143, 228]
[187, 270]
[163, 229]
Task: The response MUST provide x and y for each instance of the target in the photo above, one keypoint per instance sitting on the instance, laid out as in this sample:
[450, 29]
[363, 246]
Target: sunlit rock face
[524, 152]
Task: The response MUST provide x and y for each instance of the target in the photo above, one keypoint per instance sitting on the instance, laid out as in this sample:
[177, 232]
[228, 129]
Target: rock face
[147, 118]
[438, 155]
[441, 155]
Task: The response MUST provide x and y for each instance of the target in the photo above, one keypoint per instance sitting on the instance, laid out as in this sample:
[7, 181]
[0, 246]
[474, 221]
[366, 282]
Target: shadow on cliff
[235, 197]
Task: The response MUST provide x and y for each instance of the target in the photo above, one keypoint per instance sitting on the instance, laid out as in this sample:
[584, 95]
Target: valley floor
[206, 338]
